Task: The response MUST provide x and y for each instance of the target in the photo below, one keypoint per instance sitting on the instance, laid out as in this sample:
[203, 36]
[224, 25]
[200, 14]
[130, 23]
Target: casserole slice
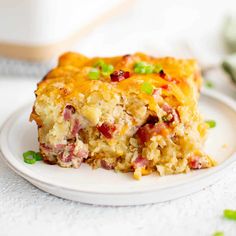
[131, 113]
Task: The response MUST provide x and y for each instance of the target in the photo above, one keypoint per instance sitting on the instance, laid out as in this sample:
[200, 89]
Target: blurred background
[33, 33]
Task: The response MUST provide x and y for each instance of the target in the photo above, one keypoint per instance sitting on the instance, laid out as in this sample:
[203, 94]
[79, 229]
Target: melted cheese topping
[71, 78]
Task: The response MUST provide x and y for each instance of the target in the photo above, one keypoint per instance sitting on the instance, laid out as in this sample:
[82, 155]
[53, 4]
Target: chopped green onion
[28, 153]
[141, 64]
[211, 123]
[147, 88]
[157, 68]
[29, 160]
[149, 69]
[143, 68]
[99, 63]
[230, 214]
[146, 68]
[29, 157]
[218, 233]
[106, 69]
[94, 74]
[209, 84]
[38, 156]
[140, 70]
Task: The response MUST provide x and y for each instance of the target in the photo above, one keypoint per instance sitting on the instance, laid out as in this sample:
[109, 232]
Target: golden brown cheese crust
[72, 70]
[177, 85]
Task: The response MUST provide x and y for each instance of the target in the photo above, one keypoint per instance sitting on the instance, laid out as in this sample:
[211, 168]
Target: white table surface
[25, 210]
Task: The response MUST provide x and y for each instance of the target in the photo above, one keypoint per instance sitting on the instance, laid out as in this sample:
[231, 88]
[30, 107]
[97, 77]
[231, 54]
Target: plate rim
[8, 157]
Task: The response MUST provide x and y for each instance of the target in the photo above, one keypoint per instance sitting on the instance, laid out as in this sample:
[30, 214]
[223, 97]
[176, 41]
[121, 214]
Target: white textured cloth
[18, 68]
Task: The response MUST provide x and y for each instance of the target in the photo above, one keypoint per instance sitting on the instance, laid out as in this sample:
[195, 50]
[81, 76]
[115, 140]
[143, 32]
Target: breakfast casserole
[132, 113]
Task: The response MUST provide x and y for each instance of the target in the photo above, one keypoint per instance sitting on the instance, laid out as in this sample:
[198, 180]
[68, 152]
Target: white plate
[109, 188]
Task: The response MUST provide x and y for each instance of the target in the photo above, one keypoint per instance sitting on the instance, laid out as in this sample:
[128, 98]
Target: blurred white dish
[110, 188]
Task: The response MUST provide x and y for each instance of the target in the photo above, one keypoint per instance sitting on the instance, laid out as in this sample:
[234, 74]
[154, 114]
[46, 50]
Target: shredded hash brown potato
[129, 118]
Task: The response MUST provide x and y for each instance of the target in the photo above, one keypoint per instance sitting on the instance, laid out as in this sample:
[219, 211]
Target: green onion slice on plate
[218, 233]
[29, 157]
[211, 123]
[230, 214]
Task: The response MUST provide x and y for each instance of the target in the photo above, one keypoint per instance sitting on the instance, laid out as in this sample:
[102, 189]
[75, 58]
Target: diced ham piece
[59, 147]
[167, 108]
[119, 75]
[75, 124]
[106, 165]
[145, 132]
[68, 111]
[69, 153]
[127, 58]
[165, 86]
[67, 114]
[75, 127]
[156, 93]
[152, 119]
[166, 77]
[172, 114]
[107, 129]
[140, 162]
[162, 74]
[194, 162]
[83, 154]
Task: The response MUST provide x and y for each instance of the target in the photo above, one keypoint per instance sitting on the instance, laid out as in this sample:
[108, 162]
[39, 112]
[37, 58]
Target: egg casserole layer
[132, 113]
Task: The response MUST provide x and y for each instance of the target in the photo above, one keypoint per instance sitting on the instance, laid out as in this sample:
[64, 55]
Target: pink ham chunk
[145, 132]
[195, 162]
[140, 162]
[106, 165]
[70, 153]
[76, 127]
[107, 129]
[171, 116]
[68, 111]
